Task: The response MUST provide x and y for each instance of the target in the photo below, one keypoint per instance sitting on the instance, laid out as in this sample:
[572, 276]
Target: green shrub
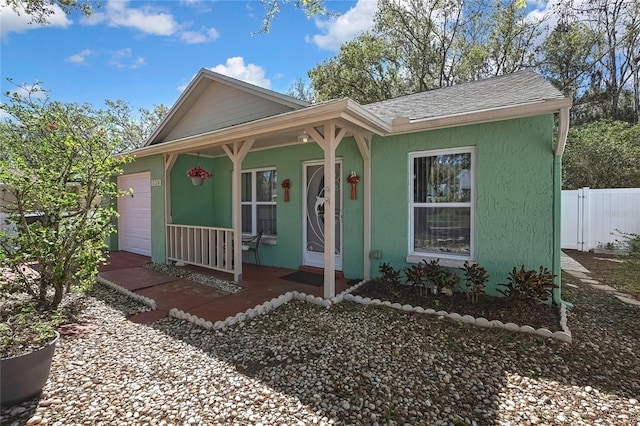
[529, 285]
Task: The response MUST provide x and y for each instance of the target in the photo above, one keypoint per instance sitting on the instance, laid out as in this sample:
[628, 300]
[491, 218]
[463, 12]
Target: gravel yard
[303, 364]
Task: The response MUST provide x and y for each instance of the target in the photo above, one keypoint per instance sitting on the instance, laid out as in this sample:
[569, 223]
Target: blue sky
[146, 52]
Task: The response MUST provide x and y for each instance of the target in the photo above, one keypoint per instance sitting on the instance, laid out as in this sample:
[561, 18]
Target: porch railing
[201, 245]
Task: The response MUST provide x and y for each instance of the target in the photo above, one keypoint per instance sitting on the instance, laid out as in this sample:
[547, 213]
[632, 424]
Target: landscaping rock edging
[276, 302]
[137, 297]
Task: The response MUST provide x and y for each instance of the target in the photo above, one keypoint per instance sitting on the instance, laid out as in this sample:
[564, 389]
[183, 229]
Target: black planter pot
[23, 377]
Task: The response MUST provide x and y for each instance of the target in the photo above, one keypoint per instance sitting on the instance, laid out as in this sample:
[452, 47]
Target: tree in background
[567, 56]
[301, 89]
[421, 45]
[614, 28]
[57, 164]
[603, 154]
[41, 10]
[366, 70]
[131, 127]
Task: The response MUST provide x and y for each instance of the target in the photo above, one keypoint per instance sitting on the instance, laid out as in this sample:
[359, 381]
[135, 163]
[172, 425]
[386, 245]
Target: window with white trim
[441, 211]
[259, 196]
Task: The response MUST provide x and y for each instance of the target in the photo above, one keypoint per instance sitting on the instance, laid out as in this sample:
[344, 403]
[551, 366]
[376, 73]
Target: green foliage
[131, 127]
[604, 154]
[40, 10]
[418, 45]
[24, 327]
[56, 164]
[529, 285]
[272, 10]
[566, 56]
[366, 70]
[476, 278]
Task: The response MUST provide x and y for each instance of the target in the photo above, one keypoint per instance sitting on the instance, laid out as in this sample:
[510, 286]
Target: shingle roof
[518, 88]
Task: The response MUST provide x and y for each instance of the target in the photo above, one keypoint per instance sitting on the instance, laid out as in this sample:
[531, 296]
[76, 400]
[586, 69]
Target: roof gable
[213, 101]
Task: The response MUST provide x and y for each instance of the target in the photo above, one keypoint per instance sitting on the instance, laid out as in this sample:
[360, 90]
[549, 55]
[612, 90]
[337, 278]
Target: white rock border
[138, 297]
[563, 336]
[250, 313]
[276, 302]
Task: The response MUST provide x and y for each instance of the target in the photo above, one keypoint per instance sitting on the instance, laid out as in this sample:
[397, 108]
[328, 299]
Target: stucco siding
[514, 192]
[155, 166]
[192, 205]
[221, 106]
[210, 204]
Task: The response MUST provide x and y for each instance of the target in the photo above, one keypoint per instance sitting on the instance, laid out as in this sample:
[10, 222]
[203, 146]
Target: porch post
[364, 145]
[329, 141]
[236, 152]
[169, 161]
[329, 212]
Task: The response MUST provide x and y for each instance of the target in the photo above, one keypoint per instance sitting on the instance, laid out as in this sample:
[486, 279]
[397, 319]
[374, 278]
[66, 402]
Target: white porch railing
[201, 245]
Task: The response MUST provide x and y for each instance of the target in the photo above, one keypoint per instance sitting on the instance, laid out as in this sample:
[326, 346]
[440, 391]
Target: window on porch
[441, 208]
[259, 199]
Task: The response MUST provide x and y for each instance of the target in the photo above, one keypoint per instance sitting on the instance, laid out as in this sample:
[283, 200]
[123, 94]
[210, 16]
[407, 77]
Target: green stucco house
[464, 173]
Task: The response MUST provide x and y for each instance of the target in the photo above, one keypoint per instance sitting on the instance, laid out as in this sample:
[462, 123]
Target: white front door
[313, 227]
[134, 222]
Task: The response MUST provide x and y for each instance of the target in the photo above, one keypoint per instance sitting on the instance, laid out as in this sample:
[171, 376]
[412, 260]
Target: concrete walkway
[576, 270]
[567, 263]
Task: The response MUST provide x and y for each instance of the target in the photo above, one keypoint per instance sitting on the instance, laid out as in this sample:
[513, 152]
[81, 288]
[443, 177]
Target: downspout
[561, 140]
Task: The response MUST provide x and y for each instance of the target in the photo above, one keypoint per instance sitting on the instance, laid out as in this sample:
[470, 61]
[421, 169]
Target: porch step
[319, 271]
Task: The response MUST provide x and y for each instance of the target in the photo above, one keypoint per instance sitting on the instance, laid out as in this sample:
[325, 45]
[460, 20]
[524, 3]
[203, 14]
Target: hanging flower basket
[198, 175]
[353, 179]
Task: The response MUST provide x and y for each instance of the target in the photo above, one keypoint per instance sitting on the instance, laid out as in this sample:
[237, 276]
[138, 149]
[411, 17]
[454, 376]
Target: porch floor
[127, 270]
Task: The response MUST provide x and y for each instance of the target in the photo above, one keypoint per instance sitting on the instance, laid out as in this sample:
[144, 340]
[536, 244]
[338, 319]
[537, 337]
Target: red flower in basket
[353, 179]
[198, 172]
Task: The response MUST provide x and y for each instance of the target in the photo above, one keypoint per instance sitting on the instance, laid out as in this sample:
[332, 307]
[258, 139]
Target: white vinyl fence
[590, 217]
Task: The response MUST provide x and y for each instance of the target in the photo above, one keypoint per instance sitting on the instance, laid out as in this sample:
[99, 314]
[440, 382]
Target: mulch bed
[492, 308]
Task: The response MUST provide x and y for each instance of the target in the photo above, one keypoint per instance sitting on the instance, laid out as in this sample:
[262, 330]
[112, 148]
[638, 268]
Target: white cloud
[236, 68]
[123, 58]
[147, 19]
[339, 30]
[79, 58]
[12, 22]
[200, 5]
[194, 37]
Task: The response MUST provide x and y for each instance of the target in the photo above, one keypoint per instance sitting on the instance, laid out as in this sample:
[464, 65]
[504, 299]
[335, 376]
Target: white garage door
[134, 223]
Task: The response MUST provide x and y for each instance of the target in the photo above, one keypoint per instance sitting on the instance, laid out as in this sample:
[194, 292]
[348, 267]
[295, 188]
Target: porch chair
[253, 244]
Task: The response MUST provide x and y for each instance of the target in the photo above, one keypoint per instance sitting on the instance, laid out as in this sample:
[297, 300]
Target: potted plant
[353, 179]
[57, 165]
[198, 175]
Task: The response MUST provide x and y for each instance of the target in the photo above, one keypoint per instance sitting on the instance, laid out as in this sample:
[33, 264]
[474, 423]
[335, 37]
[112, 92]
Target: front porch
[259, 285]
